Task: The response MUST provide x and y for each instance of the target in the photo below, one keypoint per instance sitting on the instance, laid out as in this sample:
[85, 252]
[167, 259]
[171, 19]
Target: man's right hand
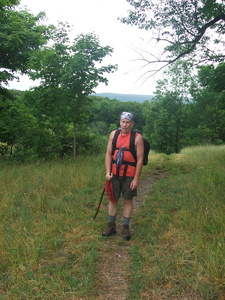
[109, 176]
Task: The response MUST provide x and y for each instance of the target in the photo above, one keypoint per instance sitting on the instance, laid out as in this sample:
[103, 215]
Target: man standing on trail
[124, 171]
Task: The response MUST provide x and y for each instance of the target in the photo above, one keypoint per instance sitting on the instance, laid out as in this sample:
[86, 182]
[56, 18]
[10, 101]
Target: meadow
[49, 242]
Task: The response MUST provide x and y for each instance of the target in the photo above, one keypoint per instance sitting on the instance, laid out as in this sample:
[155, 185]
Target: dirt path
[114, 256]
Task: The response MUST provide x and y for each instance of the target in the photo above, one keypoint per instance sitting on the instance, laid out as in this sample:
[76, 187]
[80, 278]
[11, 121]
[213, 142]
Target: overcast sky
[101, 17]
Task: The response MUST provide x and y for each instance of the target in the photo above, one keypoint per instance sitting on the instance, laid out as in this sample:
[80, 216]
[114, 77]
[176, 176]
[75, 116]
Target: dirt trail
[114, 255]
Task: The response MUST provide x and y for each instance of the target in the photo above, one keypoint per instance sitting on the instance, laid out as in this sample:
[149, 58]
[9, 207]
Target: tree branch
[191, 44]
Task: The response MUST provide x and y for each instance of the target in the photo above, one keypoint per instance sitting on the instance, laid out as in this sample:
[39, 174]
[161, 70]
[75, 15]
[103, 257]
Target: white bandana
[127, 115]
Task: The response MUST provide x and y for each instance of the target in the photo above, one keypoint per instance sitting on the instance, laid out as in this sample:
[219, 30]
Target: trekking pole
[99, 203]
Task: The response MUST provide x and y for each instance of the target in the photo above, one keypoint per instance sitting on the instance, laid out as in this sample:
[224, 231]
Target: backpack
[132, 146]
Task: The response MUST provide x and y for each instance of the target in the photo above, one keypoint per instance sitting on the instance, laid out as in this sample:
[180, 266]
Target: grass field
[181, 230]
[50, 242]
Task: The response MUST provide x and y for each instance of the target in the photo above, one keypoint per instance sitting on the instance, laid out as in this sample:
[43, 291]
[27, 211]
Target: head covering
[127, 115]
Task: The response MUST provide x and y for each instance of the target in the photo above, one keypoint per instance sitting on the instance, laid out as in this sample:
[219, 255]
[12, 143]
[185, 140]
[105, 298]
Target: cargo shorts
[121, 187]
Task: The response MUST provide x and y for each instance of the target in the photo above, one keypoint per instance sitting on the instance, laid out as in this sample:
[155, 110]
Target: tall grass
[181, 230]
[49, 243]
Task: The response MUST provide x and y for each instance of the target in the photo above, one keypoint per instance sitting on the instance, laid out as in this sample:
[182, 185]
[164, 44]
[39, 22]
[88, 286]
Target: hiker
[124, 172]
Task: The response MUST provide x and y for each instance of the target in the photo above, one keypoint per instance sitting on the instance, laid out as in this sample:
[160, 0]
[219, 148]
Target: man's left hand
[134, 184]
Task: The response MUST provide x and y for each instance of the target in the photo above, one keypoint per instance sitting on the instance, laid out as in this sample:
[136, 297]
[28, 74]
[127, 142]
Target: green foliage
[208, 104]
[109, 111]
[69, 74]
[165, 117]
[211, 77]
[59, 118]
[186, 110]
[27, 136]
[9, 3]
[21, 36]
[16, 123]
[89, 143]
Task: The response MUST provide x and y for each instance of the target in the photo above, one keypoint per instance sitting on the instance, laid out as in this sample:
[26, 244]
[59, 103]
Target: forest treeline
[59, 118]
[181, 114]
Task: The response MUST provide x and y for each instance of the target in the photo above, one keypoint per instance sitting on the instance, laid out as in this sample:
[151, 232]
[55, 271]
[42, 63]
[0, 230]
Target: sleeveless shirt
[124, 140]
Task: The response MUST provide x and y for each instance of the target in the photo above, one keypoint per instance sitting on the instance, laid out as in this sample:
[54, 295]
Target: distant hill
[126, 97]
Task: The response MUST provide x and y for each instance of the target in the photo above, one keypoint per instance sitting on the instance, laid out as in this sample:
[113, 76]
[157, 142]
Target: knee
[128, 202]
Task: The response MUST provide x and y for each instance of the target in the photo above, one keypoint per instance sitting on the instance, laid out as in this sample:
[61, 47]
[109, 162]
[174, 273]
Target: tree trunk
[74, 140]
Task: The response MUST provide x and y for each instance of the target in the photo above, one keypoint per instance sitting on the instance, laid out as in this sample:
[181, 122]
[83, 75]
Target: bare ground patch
[114, 255]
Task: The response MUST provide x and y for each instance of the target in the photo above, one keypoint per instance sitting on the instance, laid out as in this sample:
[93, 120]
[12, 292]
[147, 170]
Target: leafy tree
[21, 35]
[69, 73]
[17, 124]
[109, 111]
[212, 77]
[165, 123]
[208, 105]
[184, 29]
[166, 115]
[104, 109]
[187, 111]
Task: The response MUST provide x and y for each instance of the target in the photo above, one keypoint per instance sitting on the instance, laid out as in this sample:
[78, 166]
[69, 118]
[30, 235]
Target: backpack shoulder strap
[115, 140]
[132, 144]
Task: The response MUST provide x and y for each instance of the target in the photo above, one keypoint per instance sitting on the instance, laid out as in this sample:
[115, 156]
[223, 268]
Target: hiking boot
[126, 232]
[111, 229]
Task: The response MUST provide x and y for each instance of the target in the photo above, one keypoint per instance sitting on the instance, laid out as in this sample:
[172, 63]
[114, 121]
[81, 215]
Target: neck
[125, 132]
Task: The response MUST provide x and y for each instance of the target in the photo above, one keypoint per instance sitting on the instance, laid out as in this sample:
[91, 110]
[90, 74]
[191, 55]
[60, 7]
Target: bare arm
[139, 146]
[108, 156]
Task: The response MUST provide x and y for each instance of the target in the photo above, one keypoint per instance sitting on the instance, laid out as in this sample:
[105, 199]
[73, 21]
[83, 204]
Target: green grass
[49, 243]
[181, 230]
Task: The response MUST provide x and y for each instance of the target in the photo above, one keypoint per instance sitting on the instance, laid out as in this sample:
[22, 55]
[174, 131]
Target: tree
[17, 125]
[69, 73]
[21, 35]
[208, 105]
[165, 123]
[184, 29]
[187, 110]
[165, 116]
[213, 77]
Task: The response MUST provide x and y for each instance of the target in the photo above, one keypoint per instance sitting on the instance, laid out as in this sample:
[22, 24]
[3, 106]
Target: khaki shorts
[121, 187]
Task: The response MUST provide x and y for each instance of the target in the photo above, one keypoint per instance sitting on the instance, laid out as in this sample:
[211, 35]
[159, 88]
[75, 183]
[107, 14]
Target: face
[126, 125]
